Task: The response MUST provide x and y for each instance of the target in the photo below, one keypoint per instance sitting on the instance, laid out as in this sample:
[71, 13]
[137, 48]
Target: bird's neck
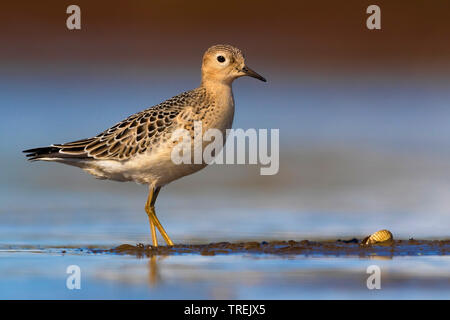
[221, 91]
[213, 83]
[222, 96]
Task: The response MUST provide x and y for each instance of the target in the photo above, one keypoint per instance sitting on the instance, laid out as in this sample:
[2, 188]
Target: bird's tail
[44, 153]
[60, 152]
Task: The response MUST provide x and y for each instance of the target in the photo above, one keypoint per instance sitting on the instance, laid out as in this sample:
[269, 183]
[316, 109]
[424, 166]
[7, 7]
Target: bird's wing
[136, 134]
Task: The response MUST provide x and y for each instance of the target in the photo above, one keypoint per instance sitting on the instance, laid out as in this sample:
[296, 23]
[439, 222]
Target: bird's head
[224, 63]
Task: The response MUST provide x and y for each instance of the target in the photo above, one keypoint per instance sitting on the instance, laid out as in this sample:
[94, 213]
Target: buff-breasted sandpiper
[139, 147]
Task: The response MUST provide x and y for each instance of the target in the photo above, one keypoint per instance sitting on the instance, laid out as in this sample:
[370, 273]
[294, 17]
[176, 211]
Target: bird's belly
[156, 169]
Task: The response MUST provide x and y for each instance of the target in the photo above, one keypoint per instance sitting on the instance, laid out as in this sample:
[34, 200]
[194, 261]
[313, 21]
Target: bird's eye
[221, 59]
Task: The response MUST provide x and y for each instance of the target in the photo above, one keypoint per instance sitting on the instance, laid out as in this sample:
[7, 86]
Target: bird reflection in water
[154, 276]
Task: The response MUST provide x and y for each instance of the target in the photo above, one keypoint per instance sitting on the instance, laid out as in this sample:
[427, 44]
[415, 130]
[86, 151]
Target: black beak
[249, 72]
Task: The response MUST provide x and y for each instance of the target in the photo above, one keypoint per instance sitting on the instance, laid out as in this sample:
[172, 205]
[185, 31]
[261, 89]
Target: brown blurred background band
[290, 35]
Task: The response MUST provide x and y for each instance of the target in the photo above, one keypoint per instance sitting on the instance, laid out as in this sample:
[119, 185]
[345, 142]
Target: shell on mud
[382, 236]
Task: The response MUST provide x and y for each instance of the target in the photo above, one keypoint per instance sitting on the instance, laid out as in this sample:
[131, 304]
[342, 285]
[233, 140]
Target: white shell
[377, 237]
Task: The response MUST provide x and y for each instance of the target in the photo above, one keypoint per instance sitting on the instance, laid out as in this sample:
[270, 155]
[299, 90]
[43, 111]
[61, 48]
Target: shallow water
[41, 274]
[37, 247]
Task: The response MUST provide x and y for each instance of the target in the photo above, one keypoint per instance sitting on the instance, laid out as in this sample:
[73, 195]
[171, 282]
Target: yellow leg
[160, 228]
[154, 221]
[153, 231]
[150, 200]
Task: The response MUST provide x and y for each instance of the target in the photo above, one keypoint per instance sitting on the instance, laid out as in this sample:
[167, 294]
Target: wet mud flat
[351, 247]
